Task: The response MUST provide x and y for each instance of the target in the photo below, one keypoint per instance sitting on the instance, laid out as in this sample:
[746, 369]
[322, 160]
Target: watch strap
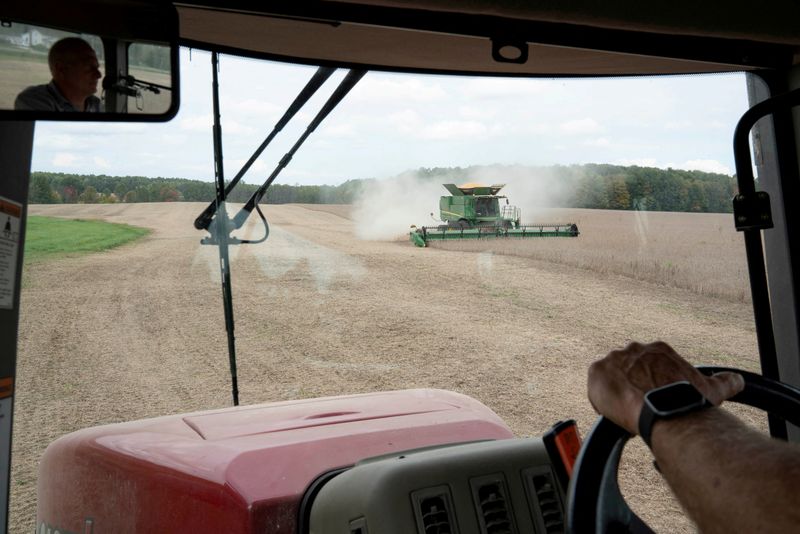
[649, 414]
[647, 419]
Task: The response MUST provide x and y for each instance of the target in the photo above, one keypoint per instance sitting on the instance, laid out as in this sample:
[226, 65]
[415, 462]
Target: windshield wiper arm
[341, 91]
[320, 77]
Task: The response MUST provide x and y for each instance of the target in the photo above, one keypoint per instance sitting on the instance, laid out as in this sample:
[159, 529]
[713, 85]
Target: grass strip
[48, 238]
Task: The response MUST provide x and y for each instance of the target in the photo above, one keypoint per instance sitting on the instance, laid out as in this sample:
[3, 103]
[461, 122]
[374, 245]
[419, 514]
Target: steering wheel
[594, 501]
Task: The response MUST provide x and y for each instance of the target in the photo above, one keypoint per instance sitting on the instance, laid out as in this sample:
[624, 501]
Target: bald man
[75, 71]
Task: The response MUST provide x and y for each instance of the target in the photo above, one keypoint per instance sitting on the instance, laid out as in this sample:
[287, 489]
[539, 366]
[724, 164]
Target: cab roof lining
[581, 39]
[774, 21]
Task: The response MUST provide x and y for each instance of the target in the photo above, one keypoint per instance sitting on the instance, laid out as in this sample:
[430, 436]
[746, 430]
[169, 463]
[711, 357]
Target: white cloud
[339, 130]
[601, 142]
[198, 123]
[476, 112]
[204, 124]
[173, 139]
[505, 87]
[409, 122]
[57, 141]
[191, 168]
[454, 130]
[101, 162]
[119, 128]
[707, 165]
[65, 159]
[253, 107]
[528, 128]
[236, 128]
[580, 126]
[406, 121]
[403, 89]
[678, 125]
[234, 165]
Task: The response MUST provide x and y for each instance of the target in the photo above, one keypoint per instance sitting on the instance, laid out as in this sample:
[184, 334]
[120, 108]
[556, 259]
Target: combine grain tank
[474, 211]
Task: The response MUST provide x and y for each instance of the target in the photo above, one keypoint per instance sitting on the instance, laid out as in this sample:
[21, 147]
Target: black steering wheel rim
[594, 501]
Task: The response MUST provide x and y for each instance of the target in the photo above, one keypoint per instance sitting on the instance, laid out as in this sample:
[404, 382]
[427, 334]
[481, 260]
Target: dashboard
[506, 486]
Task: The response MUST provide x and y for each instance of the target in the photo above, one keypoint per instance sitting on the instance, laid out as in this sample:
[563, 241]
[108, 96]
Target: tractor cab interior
[424, 435]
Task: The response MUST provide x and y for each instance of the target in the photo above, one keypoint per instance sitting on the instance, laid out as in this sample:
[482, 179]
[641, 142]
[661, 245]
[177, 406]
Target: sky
[391, 123]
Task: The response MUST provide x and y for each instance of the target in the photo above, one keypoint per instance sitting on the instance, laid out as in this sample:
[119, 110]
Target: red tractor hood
[239, 469]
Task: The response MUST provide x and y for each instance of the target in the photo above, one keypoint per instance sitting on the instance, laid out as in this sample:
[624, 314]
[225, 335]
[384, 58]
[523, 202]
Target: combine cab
[473, 211]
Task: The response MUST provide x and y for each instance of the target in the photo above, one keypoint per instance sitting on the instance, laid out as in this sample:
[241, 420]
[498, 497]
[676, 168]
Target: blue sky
[391, 123]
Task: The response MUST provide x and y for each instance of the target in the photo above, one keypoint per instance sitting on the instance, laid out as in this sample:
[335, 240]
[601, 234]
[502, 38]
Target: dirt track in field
[138, 331]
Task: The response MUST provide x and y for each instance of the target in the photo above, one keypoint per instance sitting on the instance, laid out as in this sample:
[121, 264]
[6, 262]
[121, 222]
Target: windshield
[486, 207]
[339, 299]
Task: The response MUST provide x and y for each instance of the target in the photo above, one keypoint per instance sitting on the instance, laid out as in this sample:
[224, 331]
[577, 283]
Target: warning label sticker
[10, 217]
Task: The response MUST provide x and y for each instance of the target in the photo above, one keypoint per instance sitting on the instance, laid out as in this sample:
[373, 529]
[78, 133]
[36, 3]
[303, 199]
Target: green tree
[41, 192]
[696, 197]
[142, 194]
[591, 193]
[89, 196]
[618, 196]
[120, 190]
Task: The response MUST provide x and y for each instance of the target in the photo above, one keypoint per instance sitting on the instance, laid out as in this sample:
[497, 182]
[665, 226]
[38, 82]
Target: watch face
[675, 398]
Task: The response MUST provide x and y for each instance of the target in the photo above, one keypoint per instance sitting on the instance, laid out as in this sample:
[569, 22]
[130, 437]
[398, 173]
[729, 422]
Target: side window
[23, 57]
[150, 65]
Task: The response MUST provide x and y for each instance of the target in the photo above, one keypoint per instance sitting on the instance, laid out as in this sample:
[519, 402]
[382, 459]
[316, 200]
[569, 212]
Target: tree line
[57, 188]
[596, 186]
[605, 186]
[644, 188]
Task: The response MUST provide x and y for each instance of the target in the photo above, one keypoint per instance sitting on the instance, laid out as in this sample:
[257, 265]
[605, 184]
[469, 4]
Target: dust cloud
[533, 190]
[388, 207]
[326, 266]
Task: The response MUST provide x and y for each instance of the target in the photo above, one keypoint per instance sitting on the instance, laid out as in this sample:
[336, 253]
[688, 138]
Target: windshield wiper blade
[341, 91]
[320, 77]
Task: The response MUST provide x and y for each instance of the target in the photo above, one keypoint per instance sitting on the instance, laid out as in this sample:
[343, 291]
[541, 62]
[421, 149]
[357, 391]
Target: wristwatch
[668, 402]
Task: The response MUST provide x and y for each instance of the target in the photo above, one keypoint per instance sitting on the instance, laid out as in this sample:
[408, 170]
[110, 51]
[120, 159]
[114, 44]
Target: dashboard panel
[489, 487]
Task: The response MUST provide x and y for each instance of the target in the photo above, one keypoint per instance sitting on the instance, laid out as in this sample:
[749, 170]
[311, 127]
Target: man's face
[80, 71]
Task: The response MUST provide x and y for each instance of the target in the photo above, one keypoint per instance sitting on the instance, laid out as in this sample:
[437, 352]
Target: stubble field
[138, 331]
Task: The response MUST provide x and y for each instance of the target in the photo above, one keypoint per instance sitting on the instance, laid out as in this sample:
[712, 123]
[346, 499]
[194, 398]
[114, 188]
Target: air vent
[434, 511]
[358, 526]
[494, 508]
[543, 490]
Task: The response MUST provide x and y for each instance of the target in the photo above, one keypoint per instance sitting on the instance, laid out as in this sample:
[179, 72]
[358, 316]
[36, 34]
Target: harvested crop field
[138, 331]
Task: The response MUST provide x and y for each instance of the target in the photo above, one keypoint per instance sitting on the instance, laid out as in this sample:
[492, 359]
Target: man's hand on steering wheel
[617, 383]
[728, 476]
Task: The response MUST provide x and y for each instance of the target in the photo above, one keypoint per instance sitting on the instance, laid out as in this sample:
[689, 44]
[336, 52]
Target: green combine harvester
[473, 211]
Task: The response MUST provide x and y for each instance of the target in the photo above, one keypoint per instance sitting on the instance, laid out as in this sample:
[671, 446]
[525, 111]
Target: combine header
[473, 211]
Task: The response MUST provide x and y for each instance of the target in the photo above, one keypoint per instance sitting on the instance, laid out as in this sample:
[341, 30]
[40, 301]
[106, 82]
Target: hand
[618, 382]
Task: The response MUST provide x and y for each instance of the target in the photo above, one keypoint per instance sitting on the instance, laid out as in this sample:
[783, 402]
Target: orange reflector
[6, 387]
[10, 209]
[568, 443]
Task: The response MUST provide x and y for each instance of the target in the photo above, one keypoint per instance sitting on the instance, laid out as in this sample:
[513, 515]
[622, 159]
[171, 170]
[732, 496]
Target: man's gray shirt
[49, 98]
